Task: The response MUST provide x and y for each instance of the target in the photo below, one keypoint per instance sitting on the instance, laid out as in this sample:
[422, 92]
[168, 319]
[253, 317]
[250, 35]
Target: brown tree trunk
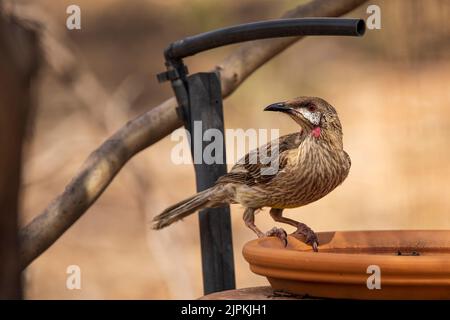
[17, 64]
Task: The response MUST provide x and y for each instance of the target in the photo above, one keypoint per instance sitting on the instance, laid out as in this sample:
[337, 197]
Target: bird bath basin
[413, 264]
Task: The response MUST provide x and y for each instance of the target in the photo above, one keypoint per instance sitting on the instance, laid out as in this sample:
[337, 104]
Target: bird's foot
[309, 236]
[279, 233]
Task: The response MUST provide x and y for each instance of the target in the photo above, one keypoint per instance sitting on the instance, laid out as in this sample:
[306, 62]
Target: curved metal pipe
[263, 30]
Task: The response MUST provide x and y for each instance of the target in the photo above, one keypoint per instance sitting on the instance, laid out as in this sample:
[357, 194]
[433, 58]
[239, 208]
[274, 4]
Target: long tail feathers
[182, 209]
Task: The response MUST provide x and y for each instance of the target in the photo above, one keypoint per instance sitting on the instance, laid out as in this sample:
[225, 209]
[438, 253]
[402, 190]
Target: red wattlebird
[310, 163]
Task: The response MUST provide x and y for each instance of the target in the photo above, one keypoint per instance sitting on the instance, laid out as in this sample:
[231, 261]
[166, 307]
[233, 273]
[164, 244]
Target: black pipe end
[360, 27]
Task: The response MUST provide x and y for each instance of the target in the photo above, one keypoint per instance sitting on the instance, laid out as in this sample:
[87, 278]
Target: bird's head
[313, 114]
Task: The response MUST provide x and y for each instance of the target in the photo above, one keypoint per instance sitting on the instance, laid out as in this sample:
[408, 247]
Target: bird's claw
[279, 233]
[309, 235]
[315, 246]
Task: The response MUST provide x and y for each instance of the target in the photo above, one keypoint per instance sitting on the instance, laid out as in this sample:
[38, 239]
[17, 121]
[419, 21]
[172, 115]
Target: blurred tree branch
[106, 161]
[19, 55]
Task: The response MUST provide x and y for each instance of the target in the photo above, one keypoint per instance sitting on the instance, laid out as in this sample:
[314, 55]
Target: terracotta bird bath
[412, 264]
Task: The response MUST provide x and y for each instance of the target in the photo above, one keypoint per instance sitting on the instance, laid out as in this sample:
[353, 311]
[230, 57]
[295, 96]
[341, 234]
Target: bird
[310, 163]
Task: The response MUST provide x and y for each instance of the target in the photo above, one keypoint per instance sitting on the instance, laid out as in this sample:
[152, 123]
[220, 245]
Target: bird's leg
[249, 219]
[302, 229]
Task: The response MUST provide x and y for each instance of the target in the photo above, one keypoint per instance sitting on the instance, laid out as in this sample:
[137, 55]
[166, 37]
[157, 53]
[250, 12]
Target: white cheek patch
[313, 117]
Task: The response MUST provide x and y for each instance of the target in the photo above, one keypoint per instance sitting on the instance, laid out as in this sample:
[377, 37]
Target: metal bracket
[176, 73]
[172, 74]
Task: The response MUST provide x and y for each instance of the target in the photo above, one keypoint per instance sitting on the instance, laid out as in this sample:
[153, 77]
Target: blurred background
[391, 89]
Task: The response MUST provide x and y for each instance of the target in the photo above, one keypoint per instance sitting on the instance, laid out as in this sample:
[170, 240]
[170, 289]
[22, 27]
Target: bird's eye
[311, 107]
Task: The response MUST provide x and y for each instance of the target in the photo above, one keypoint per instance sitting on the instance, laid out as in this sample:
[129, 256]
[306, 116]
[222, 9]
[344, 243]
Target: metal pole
[205, 112]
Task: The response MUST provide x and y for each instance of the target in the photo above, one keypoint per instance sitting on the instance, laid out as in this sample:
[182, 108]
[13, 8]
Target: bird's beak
[279, 106]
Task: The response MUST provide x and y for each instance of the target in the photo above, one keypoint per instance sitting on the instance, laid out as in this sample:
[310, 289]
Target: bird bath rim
[346, 260]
